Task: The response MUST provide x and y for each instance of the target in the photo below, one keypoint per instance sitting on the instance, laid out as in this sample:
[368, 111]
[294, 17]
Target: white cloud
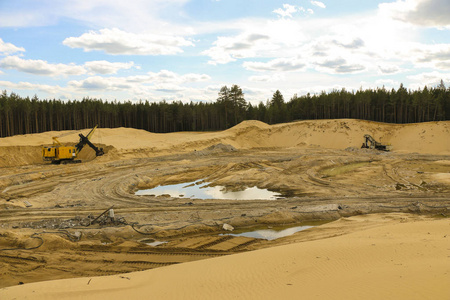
[269, 38]
[168, 88]
[355, 43]
[195, 77]
[346, 45]
[106, 67]
[286, 11]
[40, 67]
[387, 83]
[360, 41]
[115, 41]
[327, 45]
[98, 83]
[8, 48]
[318, 4]
[51, 89]
[339, 65]
[164, 78]
[429, 79]
[218, 55]
[388, 69]
[277, 65]
[432, 13]
[260, 78]
[228, 49]
[434, 56]
[277, 77]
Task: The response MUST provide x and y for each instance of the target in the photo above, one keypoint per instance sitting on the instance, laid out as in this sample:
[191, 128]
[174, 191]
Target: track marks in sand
[100, 260]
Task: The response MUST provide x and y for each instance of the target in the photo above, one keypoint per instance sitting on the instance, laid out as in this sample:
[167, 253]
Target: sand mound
[218, 148]
[429, 138]
[41, 240]
[12, 156]
[248, 124]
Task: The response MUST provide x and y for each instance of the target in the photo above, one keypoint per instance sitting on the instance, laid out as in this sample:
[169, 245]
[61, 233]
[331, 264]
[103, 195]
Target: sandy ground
[397, 257]
[385, 204]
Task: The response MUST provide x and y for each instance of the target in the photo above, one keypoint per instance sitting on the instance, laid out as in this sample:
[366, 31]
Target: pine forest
[20, 115]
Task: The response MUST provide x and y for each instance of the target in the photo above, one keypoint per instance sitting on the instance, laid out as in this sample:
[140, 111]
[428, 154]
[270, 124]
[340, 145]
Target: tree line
[19, 115]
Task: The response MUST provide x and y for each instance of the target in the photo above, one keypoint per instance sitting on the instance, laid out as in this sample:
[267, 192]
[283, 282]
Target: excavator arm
[85, 140]
[369, 139]
[371, 143]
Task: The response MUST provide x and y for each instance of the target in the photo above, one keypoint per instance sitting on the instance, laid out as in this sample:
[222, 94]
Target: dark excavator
[371, 143]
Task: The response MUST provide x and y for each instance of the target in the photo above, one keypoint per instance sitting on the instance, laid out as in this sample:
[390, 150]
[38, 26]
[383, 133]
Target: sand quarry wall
[426, 138]
[430, 138]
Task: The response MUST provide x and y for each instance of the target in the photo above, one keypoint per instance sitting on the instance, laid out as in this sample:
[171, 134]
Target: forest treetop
[20, 115]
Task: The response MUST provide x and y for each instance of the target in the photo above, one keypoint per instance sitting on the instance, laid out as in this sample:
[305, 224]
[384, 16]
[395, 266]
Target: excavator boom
[89, 135]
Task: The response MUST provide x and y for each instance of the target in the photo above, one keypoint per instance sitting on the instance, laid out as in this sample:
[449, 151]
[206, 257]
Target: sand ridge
[433, 138]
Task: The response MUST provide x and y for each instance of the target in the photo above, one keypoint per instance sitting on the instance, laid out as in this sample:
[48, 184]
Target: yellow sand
[396, 257]
[432, 137]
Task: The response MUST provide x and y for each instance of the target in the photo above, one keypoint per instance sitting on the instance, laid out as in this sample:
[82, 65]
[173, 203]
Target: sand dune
[396, 257]
[425, 138]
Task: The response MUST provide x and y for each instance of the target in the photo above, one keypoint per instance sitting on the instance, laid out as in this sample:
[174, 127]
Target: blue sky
[187, 49]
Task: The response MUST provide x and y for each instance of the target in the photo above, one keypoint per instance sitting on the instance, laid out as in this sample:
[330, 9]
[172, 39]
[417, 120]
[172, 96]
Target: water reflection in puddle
[199, 190]
[156, 243]
[271, 234]
[152, 242]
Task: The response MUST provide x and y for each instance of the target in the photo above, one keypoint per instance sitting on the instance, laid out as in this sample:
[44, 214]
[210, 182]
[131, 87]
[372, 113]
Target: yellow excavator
[60, 154]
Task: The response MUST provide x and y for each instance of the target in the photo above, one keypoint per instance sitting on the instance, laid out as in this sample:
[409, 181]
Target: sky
[186, 50]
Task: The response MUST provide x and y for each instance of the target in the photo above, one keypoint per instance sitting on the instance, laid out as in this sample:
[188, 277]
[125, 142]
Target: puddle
[152, 242]
[271, 234]
[156, 243]
[199, 190]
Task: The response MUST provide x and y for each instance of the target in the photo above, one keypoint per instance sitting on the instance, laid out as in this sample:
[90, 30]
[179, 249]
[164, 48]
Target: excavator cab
[48, 153]
[61, 153]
